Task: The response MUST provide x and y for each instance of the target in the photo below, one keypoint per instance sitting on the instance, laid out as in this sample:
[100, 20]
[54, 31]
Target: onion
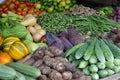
[41, 31]
[31, 29]
[37, 37]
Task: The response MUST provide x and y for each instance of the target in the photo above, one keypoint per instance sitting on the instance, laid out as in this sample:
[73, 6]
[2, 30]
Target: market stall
[59, 40]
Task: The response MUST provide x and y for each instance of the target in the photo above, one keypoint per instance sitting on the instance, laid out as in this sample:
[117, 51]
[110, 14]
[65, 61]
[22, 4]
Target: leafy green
[16, 30]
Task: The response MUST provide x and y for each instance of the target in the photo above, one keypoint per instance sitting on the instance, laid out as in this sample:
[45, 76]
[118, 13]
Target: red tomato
[1, 9]
[19, 9]
[5, 10]
[17, 2]
[3, 6]
[25, 9]
[24, 13]
[19, 13]
[30, 11]
[16, 6]
[1, 12]
[13, 0]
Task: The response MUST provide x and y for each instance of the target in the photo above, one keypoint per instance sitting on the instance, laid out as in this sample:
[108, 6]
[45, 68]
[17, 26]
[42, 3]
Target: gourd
[8, 42]
[19, 76]
[18, 50]
[5, 58]
[25, 69]
[6, 72]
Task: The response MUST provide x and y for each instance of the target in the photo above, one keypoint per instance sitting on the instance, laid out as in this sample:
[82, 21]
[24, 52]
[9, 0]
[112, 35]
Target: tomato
[17, 2]
[25, 9]
[3, 6]
[30, 11]
[7, 2]
[24, 13]
[19, 13]
[1, 9]
[1, 12]
[19, 9]
[16, 6]
[22, 5]
[13, 0]
[27, 3]
[5, 10]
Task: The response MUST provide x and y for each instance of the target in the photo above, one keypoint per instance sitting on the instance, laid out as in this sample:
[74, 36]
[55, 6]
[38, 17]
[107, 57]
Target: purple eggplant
[74, 37]
[63, 34]
[67, 44]
[53, 40]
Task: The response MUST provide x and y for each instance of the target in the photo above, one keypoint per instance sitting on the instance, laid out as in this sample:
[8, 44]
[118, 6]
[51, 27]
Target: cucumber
[99, 52]
[25, 69]
[76, 63]
[29, 78]
[90, 50]
[72, 50]
[103, 73]
[7, 72]
[20, 76]
[109, 65]
[94, 76]
[115, 50]
[110, 72]
[117, 62]
[93, 68]
[86, 71]
[83, 64]
[107, 52]
[80, 52]
[101, 65]
[93, 59]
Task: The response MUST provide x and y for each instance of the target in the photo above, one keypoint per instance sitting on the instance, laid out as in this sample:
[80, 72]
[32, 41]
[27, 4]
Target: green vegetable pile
[54, 5]
[10, 26]
[57, 22]
[98, 58]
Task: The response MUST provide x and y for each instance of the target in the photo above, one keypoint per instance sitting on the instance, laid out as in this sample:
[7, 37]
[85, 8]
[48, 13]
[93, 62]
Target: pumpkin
[18, 50]
[8, 42]
[5, 58]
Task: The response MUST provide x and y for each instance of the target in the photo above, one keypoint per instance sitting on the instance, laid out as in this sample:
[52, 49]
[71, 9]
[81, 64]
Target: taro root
[55, 75]
[48, 61]
[42, 77]
[45, 70]
[59, 66]
[38, 54]
[67, 75]
[69, 67]
[38, 63]
[48, 53]
[55, 51]
[77, 75]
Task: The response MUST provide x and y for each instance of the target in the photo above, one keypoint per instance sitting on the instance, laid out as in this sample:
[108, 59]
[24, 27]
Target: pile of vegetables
[105, 11]
[19, 7]
[18, 71]
[57, 22]
[64, 40]
[115, 15]
[98, 58]
[52, 65]
[82, 11]
[50, 6]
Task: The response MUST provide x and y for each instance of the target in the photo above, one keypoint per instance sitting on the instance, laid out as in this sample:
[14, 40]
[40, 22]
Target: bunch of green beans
[56, 22]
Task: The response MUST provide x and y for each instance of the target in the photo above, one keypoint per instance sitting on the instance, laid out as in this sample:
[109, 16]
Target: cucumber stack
[98, 58]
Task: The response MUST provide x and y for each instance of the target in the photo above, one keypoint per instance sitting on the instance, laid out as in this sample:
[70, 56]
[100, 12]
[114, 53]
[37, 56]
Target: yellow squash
[8, 42]
[18, 50]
